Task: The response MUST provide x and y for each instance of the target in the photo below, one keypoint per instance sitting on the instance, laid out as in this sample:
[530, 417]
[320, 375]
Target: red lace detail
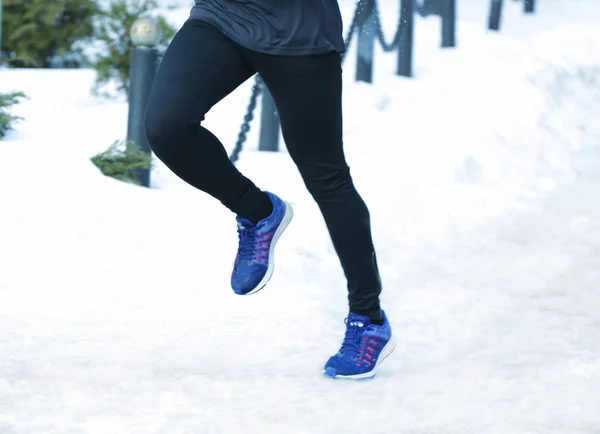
[366, 357]
[262, 245]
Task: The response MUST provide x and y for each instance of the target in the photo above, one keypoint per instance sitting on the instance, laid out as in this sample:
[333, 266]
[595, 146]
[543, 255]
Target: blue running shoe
[254, 262]
[365, 346]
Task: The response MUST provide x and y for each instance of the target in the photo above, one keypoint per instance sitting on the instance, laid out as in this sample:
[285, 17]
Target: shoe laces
[352, 338]
[247, 242]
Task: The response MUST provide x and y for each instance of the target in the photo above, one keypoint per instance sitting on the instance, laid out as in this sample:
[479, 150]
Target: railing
[365, 20]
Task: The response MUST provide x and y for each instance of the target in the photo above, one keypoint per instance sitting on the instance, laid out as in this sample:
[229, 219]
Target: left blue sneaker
[254, 262]
[365, 346]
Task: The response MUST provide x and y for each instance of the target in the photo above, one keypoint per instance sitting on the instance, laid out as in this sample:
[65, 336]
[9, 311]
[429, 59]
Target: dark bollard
[145, 33]
[269, 124]
[529, 6]
[495, 15]
[406, 29]
[366, 24]
[142, 71]
[448, 23]
[429, 7]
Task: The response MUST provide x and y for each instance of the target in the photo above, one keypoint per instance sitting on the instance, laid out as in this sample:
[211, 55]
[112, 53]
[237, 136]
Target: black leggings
[200, 67]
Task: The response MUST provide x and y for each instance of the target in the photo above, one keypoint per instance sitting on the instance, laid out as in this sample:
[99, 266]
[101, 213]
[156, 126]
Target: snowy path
[514, 344]
[498, 333]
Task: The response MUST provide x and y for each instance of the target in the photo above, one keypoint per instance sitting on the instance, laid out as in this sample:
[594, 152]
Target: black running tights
[200, 67]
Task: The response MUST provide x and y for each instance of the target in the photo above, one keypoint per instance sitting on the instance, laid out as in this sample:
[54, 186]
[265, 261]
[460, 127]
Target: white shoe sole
[285, 221]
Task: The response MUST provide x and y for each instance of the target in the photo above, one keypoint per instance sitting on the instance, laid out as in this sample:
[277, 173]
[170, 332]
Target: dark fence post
[495, 15]
[366, 41]
[145, 34]
[448, 23]
[429, 7]
[529, 6]
[405, 47]
[269, 123]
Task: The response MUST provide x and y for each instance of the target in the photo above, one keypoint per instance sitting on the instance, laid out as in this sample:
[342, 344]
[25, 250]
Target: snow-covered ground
[482, 176]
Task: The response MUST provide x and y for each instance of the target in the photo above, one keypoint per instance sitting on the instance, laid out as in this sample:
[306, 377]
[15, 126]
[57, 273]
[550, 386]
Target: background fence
[365, 28]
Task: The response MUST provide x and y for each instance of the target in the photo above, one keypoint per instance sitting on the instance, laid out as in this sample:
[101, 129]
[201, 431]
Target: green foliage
[36, 31]
[119, 161]
[7, 100]
[113, 35]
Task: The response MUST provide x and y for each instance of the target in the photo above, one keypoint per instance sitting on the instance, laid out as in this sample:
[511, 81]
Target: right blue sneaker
[364, 347]
[254, 262]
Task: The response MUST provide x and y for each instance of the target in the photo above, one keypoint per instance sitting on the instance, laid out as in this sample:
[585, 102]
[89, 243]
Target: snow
[481, 175]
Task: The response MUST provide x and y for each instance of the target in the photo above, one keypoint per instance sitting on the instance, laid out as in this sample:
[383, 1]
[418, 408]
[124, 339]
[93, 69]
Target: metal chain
[381, 37]
[242, 136]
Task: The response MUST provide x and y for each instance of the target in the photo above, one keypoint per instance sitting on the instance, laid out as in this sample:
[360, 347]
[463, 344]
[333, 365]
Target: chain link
[242, 136]
[380, 35]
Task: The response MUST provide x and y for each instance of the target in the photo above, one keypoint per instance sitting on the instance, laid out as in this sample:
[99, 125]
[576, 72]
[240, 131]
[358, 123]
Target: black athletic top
[284, 27]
